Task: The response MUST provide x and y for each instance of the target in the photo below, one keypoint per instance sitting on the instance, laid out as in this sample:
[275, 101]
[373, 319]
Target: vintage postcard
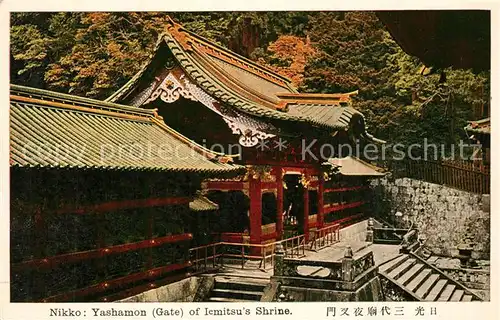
[194, 163]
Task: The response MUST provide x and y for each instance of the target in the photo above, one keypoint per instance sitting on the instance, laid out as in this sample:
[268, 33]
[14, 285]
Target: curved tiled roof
[201, 203]
[352, 166]
[49, 129]
[482, 126]
[242, 84]
[325, 114]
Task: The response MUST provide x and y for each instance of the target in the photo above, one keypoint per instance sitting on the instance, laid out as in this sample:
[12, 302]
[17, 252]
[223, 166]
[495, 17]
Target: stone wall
[441, 213]
[370, 291]
[186, 290]
[354, 232]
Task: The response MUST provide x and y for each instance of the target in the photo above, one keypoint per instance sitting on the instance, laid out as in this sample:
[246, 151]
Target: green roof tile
[50, 132]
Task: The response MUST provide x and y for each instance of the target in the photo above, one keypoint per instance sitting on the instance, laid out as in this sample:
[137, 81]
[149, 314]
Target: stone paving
[381, 253]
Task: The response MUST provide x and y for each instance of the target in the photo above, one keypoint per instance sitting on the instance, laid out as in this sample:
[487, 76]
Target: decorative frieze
[173, 87]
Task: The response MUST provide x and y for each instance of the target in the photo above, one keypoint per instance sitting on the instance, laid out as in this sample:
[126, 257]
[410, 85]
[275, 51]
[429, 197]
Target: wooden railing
[346, 274]
[40, 268]
[221, 254]
[464, 175]
[73, 257]
[325, 237]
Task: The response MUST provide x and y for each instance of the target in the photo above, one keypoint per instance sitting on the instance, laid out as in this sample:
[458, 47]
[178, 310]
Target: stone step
[467, 298]
[361, 249]
[392, 264]
[402, 268]
[220, 299]
[423, 280]
[237, 294]
[419, 279]
[427, 285]
[240, 284]
[436, 290]
[457, 295]
[408, 276]
[432, 259]
[446, 294]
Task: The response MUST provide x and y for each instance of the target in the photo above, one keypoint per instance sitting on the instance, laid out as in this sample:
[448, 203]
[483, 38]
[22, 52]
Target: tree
[354, 51]
[288, 56]
[94, 54]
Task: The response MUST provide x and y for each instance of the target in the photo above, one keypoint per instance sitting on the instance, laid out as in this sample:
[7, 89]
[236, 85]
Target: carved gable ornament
[173, 87]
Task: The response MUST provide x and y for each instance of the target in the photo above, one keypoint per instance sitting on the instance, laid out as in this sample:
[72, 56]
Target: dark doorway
[269, 208]
[293, 205]
[232, 215]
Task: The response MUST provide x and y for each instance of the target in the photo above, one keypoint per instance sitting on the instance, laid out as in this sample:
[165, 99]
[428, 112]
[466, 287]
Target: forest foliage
[94, 54]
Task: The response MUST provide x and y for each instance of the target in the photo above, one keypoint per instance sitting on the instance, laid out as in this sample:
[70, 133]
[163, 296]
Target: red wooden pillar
[321, 204]
[255, 194]
[306, 212]
[279, 196]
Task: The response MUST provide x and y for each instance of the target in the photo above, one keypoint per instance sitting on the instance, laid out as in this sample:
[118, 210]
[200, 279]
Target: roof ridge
[176, 29]
[264, 100]
[252, 105]
[366, 163]
[18, 91]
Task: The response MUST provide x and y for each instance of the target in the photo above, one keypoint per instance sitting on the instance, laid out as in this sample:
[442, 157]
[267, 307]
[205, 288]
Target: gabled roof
[352, 166]
[482, 126]
[239, 83]
[49, 129]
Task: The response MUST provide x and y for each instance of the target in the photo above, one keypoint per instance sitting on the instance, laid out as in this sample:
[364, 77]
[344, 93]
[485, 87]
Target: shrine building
[104, 198]
[299, 179]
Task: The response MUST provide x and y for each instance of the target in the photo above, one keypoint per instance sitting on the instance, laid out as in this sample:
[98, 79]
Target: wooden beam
[51, 262]
[225, 185]
[279, 205]
[268, 185]
[146, 287]
[345, 221]
[340, 207]
[126, 204]
[268, 236]
[234, 237]
[345, 189]
[118, 282]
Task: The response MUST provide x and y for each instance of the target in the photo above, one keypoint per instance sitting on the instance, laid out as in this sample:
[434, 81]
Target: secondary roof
[49, 129]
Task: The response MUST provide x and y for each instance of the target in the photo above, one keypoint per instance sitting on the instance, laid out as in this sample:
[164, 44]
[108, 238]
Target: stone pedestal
[347, 265]
[278, 260]
[369, 230]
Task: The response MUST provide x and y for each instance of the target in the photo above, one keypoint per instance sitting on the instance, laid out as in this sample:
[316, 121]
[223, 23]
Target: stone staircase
[237, 289]
[423, 281]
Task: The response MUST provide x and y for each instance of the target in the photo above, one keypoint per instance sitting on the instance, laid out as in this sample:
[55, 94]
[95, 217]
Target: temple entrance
[232, 215]
[293, 205]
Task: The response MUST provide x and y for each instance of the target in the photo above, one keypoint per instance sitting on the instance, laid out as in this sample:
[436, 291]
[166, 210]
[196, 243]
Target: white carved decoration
[172, 88]
[249, 136]
[201, 96]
